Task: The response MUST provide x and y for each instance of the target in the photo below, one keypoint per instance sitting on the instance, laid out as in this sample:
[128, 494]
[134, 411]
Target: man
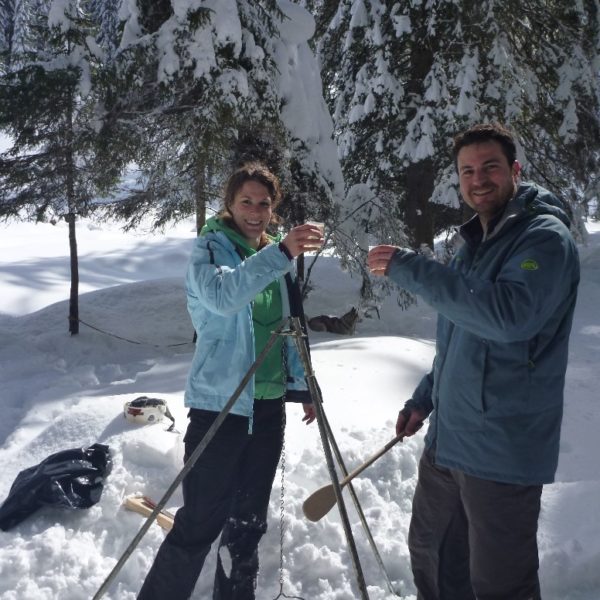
[494, 396]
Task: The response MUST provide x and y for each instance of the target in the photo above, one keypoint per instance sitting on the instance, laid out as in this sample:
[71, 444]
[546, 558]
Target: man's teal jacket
[495, 393]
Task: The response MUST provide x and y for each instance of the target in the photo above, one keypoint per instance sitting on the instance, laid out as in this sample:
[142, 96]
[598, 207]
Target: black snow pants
[472, 538]
[227, 491]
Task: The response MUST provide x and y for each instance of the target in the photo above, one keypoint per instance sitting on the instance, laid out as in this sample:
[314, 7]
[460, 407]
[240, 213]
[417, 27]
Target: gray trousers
[470, 538]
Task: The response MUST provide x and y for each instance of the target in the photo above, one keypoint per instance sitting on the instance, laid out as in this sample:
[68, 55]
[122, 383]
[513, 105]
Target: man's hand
[379, 258]
[410, 420]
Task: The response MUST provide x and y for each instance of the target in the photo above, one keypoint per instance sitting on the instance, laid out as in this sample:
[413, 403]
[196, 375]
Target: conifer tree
[197, 79]
[105, 14]
[6, 26]
[190, 77]
[402, 77]
[47, 109]
[15, 32]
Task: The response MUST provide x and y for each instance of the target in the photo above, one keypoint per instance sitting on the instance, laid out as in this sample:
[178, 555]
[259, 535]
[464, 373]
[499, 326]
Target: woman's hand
[309, 413]
[302, 238]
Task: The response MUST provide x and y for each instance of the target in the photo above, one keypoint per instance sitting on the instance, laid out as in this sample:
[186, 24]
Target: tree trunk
[70, 218]
[300, 269]
[74, 295]
[201, 185]
[420, 175]
[418, 215]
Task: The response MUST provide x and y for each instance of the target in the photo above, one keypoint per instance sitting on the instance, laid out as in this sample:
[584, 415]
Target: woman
[238, 291]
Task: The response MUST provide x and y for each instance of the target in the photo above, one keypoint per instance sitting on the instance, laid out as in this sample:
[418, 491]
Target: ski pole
[300, 339]
[189, 463]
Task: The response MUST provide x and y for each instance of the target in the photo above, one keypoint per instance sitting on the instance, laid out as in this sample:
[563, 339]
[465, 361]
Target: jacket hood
[530, 200]
[534, 199]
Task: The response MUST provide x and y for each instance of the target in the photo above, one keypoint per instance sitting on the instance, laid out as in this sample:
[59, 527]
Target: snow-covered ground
[59, 392]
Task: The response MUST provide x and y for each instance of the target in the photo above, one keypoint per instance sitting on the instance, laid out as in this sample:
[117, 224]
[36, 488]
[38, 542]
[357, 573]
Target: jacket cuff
[285, 251]
[298, 396]
[412, 403]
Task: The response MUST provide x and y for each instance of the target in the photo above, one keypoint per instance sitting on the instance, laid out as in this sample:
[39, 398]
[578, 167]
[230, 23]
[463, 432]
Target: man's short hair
[484, 132]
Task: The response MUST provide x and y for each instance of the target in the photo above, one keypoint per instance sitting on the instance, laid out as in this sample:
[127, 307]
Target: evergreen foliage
[105, 14]
[187, 82]
[6, 26]
[164, 97]
[47, 108]
[188, 86]
[402, 77]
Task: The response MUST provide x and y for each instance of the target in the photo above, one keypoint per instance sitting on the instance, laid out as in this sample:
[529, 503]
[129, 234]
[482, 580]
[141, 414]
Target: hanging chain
[282, 594]
[282, 492]
[281, 517]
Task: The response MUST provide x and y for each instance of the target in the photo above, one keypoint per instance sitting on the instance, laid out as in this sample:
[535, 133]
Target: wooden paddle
[319, 503]
[145, 506]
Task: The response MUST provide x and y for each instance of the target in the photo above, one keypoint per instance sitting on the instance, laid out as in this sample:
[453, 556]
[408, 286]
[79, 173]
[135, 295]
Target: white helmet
[144, 410]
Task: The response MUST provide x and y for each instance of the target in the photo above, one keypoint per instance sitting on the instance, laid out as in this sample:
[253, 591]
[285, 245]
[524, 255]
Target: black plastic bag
[70, 479]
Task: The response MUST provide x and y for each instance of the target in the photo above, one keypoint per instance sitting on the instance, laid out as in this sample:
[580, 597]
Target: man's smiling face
[487, 181]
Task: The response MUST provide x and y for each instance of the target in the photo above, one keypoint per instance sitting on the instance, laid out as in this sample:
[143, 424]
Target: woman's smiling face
[252, 210]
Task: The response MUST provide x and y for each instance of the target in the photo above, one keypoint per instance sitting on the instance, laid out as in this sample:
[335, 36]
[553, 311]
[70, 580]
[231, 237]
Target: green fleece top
[269, 379]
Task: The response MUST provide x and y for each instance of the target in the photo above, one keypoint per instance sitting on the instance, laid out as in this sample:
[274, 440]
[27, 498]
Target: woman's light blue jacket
[505, 306]
[220, 289]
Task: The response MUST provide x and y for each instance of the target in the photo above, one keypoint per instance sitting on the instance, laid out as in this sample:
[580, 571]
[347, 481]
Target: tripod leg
[358, 507]
[300, 340]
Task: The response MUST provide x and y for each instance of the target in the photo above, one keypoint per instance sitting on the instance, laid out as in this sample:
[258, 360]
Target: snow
[303, 111]
[401, 25]
[359, 14]
[57, 15]
[61, 392]
[297, 25]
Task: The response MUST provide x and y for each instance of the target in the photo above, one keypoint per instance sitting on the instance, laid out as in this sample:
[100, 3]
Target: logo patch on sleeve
[529, 265]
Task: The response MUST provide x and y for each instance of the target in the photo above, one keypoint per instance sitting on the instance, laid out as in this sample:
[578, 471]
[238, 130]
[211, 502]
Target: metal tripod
[315, 392]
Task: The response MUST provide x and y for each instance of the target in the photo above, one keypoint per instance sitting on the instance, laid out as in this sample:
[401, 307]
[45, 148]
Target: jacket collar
[529, 200]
